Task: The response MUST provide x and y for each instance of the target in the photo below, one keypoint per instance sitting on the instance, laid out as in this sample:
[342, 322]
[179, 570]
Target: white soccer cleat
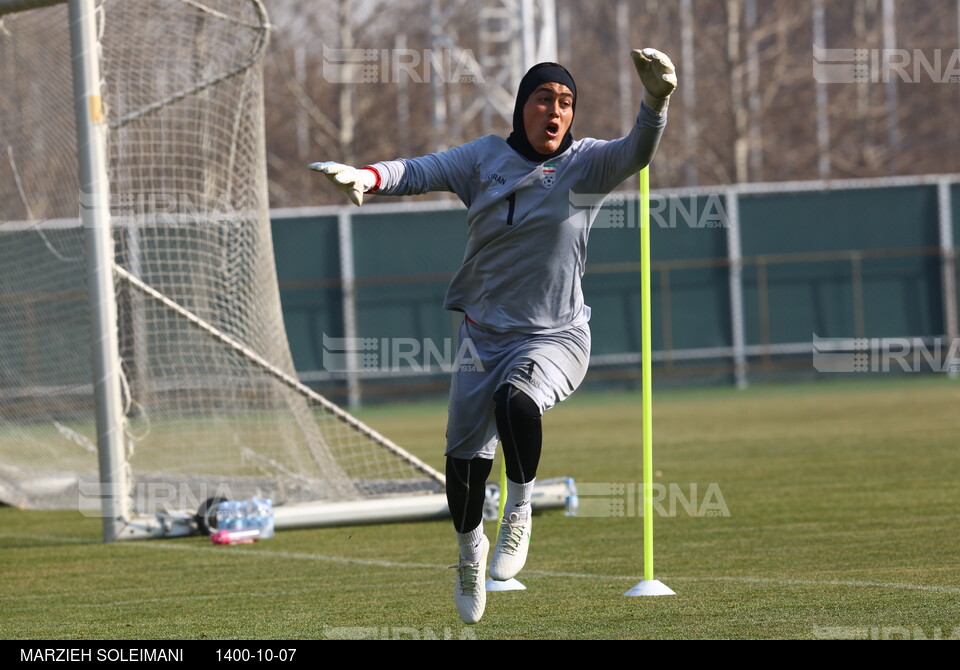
[470, 591]
[512, 544]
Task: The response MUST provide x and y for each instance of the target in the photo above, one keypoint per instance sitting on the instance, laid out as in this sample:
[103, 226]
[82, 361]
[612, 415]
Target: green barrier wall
[844, 263]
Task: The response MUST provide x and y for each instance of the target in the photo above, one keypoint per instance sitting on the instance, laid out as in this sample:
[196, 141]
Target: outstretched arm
[616, 160]
[451, 170]
[348, 179]
[658, 75]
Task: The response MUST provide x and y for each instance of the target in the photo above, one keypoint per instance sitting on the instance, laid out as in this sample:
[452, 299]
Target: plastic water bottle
[573, 499]
[261, 516]
[244, 521]
[232, 525]
[231, 515]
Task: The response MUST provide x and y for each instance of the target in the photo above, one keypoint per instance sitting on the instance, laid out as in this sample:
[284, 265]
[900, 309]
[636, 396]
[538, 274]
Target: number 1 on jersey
[512, 202]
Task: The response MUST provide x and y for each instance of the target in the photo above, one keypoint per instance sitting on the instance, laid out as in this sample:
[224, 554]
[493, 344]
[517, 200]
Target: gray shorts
[548, 368]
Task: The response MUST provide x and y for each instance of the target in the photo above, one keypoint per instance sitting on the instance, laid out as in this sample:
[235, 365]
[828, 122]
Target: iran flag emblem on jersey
[548, 174]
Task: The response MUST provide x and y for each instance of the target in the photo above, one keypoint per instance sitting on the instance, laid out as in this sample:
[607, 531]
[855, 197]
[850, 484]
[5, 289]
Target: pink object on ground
[235, 536]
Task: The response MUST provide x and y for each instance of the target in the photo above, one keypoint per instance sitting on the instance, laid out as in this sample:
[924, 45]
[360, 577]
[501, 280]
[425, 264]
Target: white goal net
[210, 402]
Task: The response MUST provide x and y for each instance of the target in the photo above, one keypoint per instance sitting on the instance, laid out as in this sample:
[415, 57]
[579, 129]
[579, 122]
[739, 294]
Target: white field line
[239, 551]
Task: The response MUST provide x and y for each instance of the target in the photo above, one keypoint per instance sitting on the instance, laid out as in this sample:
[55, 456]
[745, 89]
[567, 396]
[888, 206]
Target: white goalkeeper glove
[348, 179]
[658, 75]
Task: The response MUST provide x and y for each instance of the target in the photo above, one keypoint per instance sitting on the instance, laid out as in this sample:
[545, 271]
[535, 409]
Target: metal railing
[740, 356]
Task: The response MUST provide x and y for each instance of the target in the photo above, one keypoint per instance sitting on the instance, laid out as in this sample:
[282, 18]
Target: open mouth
[552, 129]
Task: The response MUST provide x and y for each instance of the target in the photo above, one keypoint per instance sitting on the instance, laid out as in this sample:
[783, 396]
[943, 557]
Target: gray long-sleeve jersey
[527, 225]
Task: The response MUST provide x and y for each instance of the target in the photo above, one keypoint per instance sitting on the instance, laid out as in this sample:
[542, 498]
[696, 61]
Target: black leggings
[520, 429]
[466, 491]
[521, 432]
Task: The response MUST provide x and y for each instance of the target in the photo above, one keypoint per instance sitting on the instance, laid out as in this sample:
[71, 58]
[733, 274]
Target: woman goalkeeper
[518, 288]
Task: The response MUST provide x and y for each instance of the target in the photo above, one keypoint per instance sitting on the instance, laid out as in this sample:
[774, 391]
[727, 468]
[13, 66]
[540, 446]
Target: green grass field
[843, 505]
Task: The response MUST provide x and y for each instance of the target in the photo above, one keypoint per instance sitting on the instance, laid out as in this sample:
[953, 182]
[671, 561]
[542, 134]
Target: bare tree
[745, 110]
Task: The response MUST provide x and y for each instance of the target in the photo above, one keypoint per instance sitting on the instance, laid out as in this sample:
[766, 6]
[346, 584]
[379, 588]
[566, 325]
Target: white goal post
[156, 310]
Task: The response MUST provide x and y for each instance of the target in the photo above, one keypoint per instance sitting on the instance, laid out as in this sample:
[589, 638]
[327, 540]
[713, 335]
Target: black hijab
[539, 74]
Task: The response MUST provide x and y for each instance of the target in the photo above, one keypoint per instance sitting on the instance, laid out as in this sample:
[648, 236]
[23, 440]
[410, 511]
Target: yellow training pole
[503, 487]
[649, 586]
